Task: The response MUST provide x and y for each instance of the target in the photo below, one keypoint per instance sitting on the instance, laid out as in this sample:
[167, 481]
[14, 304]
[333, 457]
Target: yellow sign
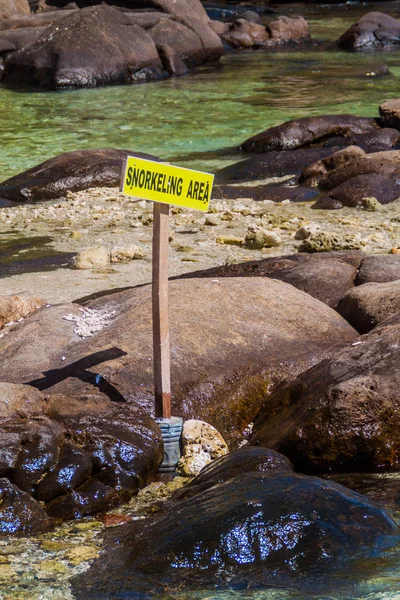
[164, 183]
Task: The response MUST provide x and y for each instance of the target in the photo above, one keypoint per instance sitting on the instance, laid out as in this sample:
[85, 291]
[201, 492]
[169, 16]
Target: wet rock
[390, 111]
[325, 277]
[14, 308]
[378, 268]
[322, 241]
[172, 61]
[19, 512]
[288, 29]
[314, 172]
[201, 444]
[244, 460]
[242, 34]
[353, 191]
[307, 130]
[71, 171]
[342, 414]
[257, 237]
[367, 305]
[375, 29]
[275, 193]
[255, 530]
[91, 258]
[221, 368]
[272, 164]
[13, 7]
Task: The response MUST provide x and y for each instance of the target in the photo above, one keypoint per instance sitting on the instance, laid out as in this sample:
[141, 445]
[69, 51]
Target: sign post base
[171, 431]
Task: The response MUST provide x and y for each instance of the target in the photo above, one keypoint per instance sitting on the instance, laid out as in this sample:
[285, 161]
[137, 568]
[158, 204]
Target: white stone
[202, 444]
[124, 254]
[90, 258]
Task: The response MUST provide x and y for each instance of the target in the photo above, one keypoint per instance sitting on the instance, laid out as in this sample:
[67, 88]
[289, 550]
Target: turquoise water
[213, 108]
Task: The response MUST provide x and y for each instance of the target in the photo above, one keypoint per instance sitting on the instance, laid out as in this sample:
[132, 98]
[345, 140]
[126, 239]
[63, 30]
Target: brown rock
[313, 173]
[353, 191]
[367, 305]
[16, 308]
[390, 112]
[242, 34]
[375, 29]
[378, 268]
[14, 7]
[344, 413]
[20, 514]
[289, 29]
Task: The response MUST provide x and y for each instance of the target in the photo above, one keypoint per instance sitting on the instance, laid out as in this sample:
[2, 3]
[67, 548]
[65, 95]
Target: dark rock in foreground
[20, 514]
[255, 529]
[344, 413]
[372, 30]
[69, 172]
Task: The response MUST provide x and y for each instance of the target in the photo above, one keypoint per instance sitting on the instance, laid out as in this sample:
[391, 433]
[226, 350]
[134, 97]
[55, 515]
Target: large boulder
[101, 45]
[375, 29]
[276, 193]
[258, 529]
[344, 413]
[306, 131]
[326, 277]
[353, 191]
[20, 514]
[221, 368]
[68, 172]
[369, 304]
[19, 306]
[390, 113]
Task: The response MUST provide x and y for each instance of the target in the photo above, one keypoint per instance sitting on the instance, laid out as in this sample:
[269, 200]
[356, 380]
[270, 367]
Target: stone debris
[90, 321]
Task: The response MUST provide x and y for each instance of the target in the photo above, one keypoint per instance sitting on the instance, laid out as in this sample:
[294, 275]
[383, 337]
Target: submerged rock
[256, 529]
[68, 172]
[344, 413]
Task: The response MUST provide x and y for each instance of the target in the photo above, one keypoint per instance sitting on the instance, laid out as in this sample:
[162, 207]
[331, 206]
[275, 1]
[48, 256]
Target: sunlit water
[195, 120]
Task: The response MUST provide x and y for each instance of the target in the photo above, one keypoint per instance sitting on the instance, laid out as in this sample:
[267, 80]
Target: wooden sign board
[164, 184]
[160, 182]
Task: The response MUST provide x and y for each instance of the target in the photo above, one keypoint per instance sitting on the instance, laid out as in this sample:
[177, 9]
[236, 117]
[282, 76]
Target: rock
[275, 193]
[250, 16]
[19, 400]
[375, 29]
[221, 368]
[71, 171]
[125, 254]
[257, 237]
[201, 444]
[123, 48]
[242, 34]
[371, 204]
[390, 111]
[81, 554]
[307, 130]
[230, 240]
[367, 305]
[354, 191]
[325, 277]
[14, 7]
[257, 529]
[211, 220]
[19, 512]
[91, 258]
[272, 164]
[239, 462]
[314, 172]
[378, 268]
[322, 241]
[18, 307]
[342, 414]
[305, 231]
[289, 29]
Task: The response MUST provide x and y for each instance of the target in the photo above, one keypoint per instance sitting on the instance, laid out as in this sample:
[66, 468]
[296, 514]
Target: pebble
[90, 258]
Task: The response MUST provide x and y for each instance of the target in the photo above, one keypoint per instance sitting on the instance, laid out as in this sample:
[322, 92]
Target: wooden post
[162, 380]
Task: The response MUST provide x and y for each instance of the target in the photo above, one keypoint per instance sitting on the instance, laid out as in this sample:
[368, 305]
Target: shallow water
[213, 108]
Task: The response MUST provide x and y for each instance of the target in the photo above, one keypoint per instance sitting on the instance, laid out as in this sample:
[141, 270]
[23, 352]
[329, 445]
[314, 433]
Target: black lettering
[179, 186]
[190, 190]
[196, 190]
[172, 184]
[135, 178]
[147, 182]
[201, 191]
[206, 196]
[129, 178]
[141, 178]
[164, 187]
[153, 181]
[159, 183]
